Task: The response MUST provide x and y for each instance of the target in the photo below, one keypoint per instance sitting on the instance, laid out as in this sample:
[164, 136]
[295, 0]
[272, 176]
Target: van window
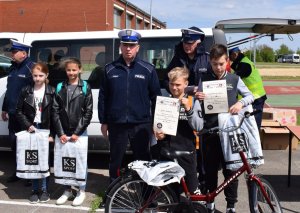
[5, 60]
[93, 54]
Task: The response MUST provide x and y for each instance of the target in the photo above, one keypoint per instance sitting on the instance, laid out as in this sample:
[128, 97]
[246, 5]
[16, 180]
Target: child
[34, 111]
[72, 113]
[189, 120]
[211, 150]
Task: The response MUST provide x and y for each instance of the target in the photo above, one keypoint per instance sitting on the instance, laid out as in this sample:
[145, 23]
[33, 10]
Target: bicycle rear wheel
[257, 201]
[132, 194]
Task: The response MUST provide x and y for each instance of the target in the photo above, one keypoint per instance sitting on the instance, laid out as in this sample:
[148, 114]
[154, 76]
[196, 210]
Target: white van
[95, 49]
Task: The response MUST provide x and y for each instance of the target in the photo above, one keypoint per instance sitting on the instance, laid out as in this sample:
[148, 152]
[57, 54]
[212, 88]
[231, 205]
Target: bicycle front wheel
[133, 195]
[258, 202]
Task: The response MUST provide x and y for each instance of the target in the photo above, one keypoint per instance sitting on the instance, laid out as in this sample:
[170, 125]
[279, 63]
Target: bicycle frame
[209, 197]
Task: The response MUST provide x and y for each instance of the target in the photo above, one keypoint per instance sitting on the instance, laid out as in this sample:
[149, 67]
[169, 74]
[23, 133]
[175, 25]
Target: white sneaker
[66, 196]
[79, 198]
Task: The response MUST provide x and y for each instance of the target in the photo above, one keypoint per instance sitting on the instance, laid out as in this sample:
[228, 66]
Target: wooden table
[294, 131]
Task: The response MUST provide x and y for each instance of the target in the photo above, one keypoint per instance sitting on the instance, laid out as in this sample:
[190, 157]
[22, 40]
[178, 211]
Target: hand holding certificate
[215, 96]
[166, 115]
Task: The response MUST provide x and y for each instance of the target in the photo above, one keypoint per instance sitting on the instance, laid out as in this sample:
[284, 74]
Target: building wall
[59, 15]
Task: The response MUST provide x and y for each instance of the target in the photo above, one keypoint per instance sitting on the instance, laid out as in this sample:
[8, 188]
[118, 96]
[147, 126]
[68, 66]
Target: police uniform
[19, 76]
[198, 65]
[245, 68]
[126, 104]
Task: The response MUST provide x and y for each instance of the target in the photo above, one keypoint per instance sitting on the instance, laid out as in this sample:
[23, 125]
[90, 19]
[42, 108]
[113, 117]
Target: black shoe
[12, 179]
[34, 198]
[28, 183]
[45, 197]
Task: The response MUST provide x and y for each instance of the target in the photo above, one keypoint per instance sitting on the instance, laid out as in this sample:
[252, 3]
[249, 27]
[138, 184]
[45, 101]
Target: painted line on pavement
[48, 205]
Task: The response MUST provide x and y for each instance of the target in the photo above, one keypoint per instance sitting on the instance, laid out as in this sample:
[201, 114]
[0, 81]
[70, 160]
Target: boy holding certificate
[211, 151]
[190, 119]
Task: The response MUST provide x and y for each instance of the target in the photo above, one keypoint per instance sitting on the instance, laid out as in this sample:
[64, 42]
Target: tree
[283, 49]
[298, 51]
[266, 53]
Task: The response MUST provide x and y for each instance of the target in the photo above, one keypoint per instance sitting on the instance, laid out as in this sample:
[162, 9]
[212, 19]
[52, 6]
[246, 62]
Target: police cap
[17, 45]
[129, 36]
[233, 50]
[192, 34]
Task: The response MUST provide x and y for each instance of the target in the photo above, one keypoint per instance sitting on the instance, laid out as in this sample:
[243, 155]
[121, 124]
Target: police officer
[126, 102]
[18, 77]
[245, 68]
[190, 52]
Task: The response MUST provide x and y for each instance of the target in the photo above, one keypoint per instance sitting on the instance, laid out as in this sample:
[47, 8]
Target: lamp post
[150, 14]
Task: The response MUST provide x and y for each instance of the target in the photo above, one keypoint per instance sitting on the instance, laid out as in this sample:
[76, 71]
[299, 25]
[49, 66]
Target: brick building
[72, 15]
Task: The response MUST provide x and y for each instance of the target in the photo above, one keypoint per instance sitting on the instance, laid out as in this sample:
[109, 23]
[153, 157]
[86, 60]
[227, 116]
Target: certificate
[166, 115]
[215, 100]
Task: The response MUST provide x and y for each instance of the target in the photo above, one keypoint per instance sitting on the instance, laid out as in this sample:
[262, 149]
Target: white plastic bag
[32, 154]
[70, 162]
[247, 136]
[158, 173]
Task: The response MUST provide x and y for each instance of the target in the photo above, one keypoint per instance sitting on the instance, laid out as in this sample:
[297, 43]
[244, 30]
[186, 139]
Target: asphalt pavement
[14, 196]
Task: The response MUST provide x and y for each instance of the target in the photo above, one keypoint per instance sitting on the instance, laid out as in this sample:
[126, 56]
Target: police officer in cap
[18, 77]
[190, 52]
[126, 102]
[246, 69]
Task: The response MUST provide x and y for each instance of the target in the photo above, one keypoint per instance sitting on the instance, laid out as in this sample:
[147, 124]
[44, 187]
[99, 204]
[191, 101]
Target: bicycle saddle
[171, 153]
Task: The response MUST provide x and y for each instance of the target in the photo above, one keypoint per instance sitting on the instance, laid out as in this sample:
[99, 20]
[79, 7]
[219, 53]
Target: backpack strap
[58, 87]
[84, 88]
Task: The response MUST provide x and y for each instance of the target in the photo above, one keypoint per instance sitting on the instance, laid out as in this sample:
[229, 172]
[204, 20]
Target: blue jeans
[35, 184]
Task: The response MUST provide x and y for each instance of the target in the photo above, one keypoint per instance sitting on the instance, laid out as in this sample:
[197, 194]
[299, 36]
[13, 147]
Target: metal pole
[150, 14]
[254, 52]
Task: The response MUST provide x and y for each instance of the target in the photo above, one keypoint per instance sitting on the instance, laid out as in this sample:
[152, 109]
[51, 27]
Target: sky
[205, 13]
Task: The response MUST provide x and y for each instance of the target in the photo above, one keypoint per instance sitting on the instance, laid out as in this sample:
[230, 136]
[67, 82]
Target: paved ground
[283, 94]
[13, 197]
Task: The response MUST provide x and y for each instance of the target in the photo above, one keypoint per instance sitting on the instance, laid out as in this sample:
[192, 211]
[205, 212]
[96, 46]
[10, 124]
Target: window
[146, 26]
[138, 25]
[128, 21]
[93, 54]
[117, 18]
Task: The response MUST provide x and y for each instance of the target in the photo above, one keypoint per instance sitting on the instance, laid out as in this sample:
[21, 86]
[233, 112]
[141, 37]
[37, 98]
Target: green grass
[270, 78]
[276, 65]
[96, 202]
[298, 120]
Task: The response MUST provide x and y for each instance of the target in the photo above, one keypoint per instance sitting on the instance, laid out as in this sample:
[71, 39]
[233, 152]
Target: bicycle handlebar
[217, 129]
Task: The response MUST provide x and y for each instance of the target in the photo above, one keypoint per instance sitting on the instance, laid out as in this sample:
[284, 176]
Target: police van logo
[69, 164]
[241, 140]
[31, 157]
[140, 76]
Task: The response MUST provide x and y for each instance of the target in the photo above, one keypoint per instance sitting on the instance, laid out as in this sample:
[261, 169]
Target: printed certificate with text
[166, 115]
[216, 100]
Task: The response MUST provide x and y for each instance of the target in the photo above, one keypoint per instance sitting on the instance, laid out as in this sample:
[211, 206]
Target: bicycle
[129, 193]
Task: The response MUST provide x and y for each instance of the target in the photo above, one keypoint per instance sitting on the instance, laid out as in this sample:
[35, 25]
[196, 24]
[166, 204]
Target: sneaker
[34, 197]
[79, 198]
[230, 210]
[211, 207]
[66, 196]
[45, 197]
